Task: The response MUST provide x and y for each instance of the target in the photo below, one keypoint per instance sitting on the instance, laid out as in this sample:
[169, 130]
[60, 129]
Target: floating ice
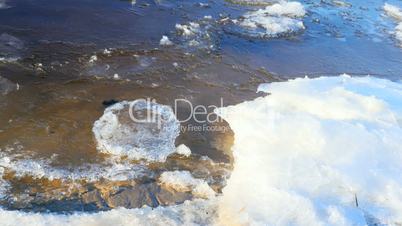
[182, 149]
[117, 133]
[289, 9]
[165, 41]
[393, 11]
[396, 13]
[188, 30]
[317, 152]
[198, 35]
[274, 21]
[93, 59]
[183, 181]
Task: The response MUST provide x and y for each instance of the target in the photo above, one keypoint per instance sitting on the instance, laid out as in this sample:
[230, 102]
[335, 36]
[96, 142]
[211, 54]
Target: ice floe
[138, 130]
[395, 13]
[273, 21]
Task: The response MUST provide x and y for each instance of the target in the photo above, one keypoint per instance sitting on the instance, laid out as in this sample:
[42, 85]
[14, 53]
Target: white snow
[183, 181]
[165, 41]
[182, 149]
[306, 153]
[117, 133]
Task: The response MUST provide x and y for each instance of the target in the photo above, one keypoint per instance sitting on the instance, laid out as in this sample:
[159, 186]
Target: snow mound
[328, 146]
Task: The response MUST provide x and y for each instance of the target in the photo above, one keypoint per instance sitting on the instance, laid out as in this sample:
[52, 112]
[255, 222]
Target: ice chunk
[165, 41]
[182, 149]
[396, 13]
[328, 146]
[393, 11]
[138, 130]
[289, 9]
[188, 30]
[274, 21]
[183, 181]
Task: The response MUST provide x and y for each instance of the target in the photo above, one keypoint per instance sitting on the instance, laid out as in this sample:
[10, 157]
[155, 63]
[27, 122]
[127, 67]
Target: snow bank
[117, 133]
[183, 181]
[317, 152]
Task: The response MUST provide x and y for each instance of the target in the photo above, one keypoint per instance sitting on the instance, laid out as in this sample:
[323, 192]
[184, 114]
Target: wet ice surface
[72, 56]
[123, 130]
